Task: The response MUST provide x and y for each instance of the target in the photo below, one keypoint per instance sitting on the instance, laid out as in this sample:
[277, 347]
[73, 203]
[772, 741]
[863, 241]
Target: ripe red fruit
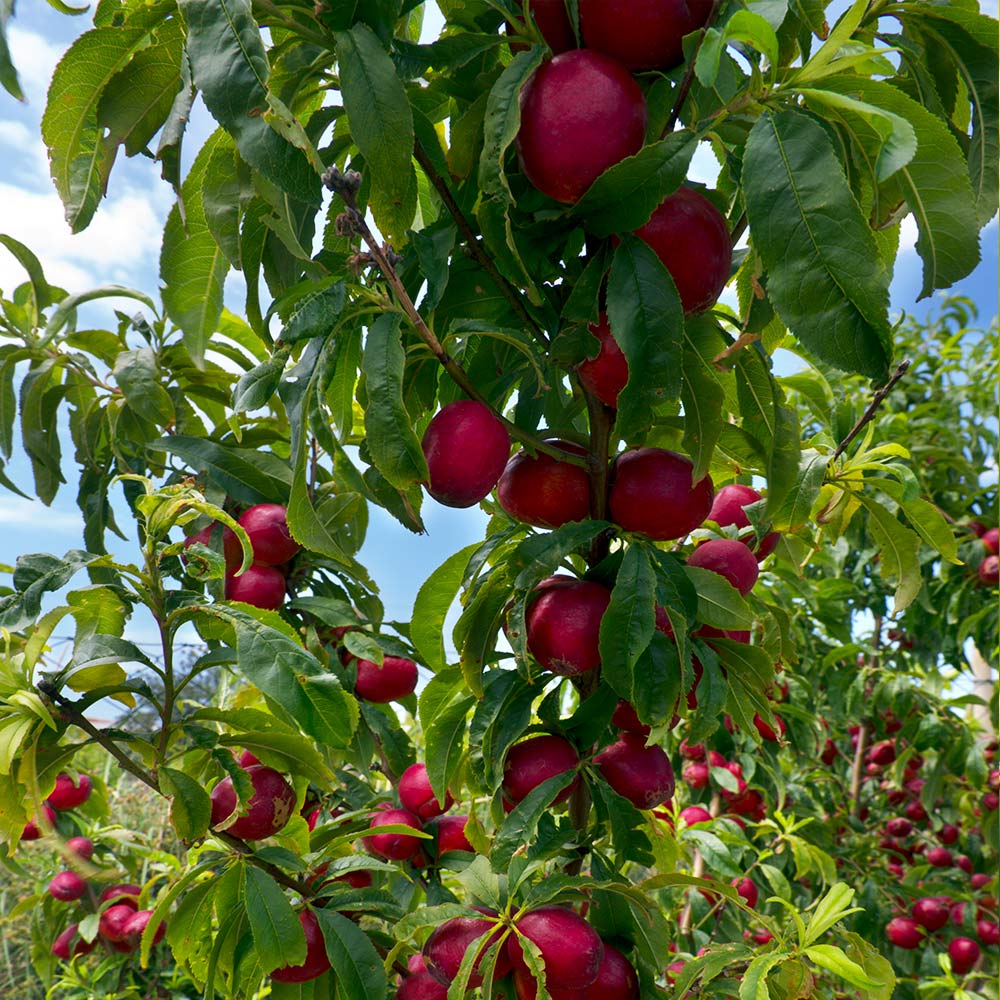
[421, 986]
[466, 448]
[616, 980]
[964, 953]
[989, 571]
[766, 732]
[67, 886]
[266, 524]
[988, 932]
[394, 846]
[450, 834]
[963, 862]
[416, 794]
[605, 375]
[916, 812]
[991, 801]
[899, 826]
[581, 113]
[948, 834]
[747, 889]
[730, 559]
[449, 941]
[641, 34]
[553, 23]
[570, 948]
[696, 752]
[316, 961]
[904, 932]
[940, 857]
[65, 946]
[535, 760]
[652, 492]
[232, 550]
[544, 492]
[80, 847]
[991, 541]
[696, 775]
[268, 810]
[642, 774]
[980, 880]
[882, 754]
[829, 754]
[395, 679]
[695, 814]
[761, 936]
[33, 828]
[124, 893]
[625, 718]
[113, 922]
[137, 924]
[260, 586]
[691, 238]
[247, 759]
[727, 507]
[563, 622]
[69, 794]
[931, 912]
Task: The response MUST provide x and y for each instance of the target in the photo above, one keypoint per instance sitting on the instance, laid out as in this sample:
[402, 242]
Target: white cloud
[31, 513]
[35, 58]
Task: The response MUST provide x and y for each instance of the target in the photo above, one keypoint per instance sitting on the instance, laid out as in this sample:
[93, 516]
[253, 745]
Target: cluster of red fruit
[579, 965]
[67, 794]
[263, 582]
[988, 570]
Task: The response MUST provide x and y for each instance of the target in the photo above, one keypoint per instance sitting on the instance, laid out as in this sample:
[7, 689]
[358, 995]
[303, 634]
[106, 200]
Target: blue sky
[122, 245]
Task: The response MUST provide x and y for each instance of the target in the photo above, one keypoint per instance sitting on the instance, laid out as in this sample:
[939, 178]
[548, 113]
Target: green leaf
[256, 387]
[539, 555]
[629, 622]
[381, 125]
[520, 826]
[357, 966]
[248, 476]
[445, 745]
[833, 959]
[277, 934]
[895, 141]
[930, 525]
[430, 608]
[753, 985]
[190, 808]
[34, 576]
[503, 121]
[79, 158]
[647, 320]
[222, 197]
[719, 602]
[744, 26]
[393, 445]
[8, 74]
[229, 67]
[824, 275]
[315, 313]
[286, 672]
[833, 907]
[138, 377]
[31, 264]
[899, 548]
[192, 265]
[795, 509]
[702, 395]
[624, 196]
[65, 312]
[935, 185]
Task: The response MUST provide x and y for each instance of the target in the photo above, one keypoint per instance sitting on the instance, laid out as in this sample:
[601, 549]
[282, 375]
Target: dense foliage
[441, 278]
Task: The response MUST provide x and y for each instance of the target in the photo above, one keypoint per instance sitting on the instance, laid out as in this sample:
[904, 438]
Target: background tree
[480, 276]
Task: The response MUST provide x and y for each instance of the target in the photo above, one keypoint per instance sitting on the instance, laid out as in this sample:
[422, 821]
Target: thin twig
[346, 185]
[876, 402]
[507, 290]
[685, 87]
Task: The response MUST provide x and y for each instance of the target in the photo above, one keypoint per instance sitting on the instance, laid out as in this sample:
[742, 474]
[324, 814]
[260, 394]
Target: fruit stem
[507, 290]
[346, 186]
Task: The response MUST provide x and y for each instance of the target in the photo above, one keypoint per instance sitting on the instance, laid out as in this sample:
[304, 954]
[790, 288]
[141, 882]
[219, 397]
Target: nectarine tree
[688, 750]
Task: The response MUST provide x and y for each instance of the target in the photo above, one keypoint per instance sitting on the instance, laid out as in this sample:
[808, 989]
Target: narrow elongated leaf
[434, 598]
[647, 320]
[381, 125]
[719, 602]
[935, 184]
[192, 265]
[277, 934]
[31, 264]
[825, 277]
[625, 195]
[221, 199]
[899, 548]
[79, 158]
[229, 67]
[446, 744]
[628, 624]
[139, 380]
[357, 966]
[394, 447]
[8, 74]
[190, 808]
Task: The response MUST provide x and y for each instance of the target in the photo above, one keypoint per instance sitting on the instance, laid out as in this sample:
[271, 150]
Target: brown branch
[507, 290]
[872, 407]
[688, 80]
[346, 185]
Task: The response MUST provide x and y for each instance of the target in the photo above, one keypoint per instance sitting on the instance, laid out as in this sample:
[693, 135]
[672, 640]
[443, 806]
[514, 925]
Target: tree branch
[477, 250]
[872, 407]
[346, 185]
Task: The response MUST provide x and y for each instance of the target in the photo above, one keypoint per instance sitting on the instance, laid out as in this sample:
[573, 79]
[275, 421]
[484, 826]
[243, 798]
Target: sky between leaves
[122, 246]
